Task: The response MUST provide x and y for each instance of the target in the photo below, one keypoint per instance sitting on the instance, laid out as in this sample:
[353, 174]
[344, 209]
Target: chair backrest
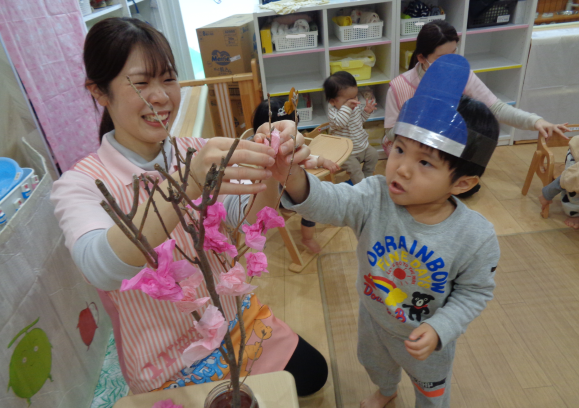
[248, 133]
[317, 131]
[334, 148]
[548, 170]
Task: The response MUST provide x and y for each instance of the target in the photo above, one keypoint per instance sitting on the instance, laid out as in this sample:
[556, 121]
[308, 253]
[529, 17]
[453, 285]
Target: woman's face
[444, 49]
[135, 125]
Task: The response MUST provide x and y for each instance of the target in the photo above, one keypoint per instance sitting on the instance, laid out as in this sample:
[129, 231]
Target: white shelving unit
[119, 9]
[497, 54]
[167, 19]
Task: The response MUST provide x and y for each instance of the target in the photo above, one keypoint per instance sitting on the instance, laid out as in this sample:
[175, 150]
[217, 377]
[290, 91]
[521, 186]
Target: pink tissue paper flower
[256, 263]
[253, 237]
[232, 283]
[168, 403]
[212, 327]
[215, 240]
[270, 218]
[215, 213]
[161, 284]
[275, 140]
[190, 302]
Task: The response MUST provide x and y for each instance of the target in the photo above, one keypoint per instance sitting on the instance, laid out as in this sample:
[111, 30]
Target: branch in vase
[128, 234]
[114, 207]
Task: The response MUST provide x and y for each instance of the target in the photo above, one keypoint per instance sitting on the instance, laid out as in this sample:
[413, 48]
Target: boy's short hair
[261, 114]
[338, 81]
[479, 118]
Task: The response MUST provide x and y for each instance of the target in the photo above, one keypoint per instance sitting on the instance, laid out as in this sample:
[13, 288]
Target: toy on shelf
[288, 33]
[357, 24]
[416, 14]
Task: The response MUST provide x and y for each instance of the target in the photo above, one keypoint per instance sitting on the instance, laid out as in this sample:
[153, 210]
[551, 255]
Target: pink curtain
[45, 40]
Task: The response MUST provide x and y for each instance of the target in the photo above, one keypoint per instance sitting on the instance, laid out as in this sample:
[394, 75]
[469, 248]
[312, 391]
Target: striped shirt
[346, 122]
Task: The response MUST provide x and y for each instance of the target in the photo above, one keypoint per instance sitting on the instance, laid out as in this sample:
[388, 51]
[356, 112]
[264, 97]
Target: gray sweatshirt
[409, 272]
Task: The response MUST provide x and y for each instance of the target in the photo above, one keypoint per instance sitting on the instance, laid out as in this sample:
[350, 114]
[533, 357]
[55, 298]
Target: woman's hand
[281, 167]
[246, 153]
[547, 128]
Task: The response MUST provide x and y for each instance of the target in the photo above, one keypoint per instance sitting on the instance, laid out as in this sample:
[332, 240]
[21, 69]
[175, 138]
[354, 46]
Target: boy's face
[417, 176]
[344, 96]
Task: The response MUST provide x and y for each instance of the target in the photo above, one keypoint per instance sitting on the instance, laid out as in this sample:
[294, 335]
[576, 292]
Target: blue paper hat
[431, 118]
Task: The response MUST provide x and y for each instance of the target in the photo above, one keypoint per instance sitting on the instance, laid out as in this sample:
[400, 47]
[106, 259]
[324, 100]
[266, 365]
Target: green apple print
[30, 363]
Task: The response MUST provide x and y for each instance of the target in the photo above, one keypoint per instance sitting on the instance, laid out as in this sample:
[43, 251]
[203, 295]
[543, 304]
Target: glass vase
[220, 397]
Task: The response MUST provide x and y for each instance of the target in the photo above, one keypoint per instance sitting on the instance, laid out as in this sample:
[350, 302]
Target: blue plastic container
[10, 175]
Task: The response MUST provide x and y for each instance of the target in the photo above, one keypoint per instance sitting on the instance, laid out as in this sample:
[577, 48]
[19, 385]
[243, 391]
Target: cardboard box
[238, 118]
[227, 46]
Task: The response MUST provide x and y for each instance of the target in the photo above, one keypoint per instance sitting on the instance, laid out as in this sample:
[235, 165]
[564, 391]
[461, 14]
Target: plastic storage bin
[305, 108]
[411, 26]
[14, 199]
[291, 42]
[360, 66]
[499, 13]
[357, 32]
[306, 114]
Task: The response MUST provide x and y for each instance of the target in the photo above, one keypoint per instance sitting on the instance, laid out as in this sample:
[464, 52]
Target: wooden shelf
[335, 44]
[319, 48]
[491, 29]
[484, 62]
[557, 19]
[102, 12]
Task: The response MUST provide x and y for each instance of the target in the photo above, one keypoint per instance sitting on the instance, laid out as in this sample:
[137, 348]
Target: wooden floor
[521, 352]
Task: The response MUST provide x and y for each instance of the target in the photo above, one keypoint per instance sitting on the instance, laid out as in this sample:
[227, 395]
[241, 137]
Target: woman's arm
[216, 148]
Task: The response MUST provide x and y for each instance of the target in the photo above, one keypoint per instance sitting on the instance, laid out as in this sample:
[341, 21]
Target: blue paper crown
[431, 118]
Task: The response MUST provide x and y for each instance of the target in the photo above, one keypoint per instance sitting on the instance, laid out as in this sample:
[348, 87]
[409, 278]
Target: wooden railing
[250, 93]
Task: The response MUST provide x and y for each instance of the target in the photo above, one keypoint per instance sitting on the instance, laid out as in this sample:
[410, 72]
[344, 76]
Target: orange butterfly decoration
[292, 102]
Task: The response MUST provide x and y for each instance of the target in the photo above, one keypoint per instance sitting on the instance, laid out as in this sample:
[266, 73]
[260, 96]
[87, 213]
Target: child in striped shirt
[347, 119]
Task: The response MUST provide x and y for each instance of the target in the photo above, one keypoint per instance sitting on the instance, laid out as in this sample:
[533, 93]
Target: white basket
[414, 25]
[300, 41]
[358, 32]
[85, 8]
[306, 114]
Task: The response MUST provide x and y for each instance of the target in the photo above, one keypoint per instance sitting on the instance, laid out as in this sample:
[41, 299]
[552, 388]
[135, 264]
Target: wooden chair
[250, 93]
[543, 163]
[334, 148]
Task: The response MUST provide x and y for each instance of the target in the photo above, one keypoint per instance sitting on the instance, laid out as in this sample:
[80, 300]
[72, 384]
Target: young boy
[426, 262]
[568, 185]
[347, 119]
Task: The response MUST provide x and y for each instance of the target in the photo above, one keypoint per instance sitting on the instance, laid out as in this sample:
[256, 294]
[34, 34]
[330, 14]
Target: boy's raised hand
[281, 167]
[422, 342]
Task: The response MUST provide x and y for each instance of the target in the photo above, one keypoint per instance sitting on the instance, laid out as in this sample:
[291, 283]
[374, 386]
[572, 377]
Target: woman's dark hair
[338, 81]
[478, 117]
[431, 36]
[107, 48]
[261, 115]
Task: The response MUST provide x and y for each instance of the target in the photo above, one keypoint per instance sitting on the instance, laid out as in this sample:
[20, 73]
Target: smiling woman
[130, 69]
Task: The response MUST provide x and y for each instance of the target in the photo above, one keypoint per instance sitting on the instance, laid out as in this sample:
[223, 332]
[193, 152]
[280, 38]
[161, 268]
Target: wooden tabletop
[272, 390]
